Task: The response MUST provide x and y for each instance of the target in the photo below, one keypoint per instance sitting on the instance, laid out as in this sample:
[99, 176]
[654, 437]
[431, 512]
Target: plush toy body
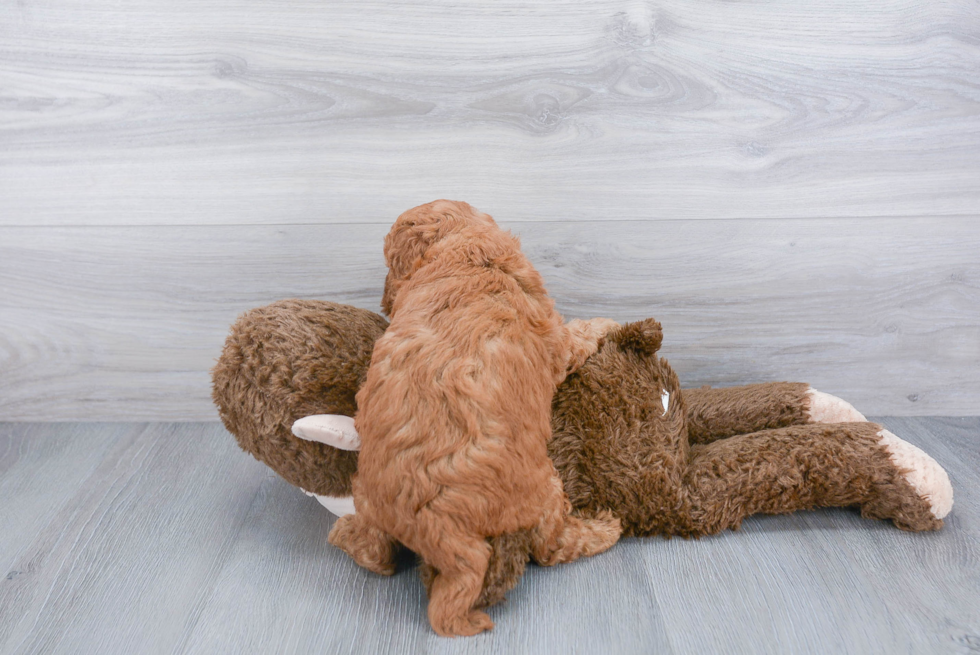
[625, 437]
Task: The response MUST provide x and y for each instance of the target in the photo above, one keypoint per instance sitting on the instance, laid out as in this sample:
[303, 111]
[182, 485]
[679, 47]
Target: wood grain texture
[124, 323]
[232, 112]
[168, 539]
[124, 566]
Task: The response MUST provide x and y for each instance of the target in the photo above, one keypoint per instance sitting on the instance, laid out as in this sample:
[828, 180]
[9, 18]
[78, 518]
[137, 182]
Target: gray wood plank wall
[792, 188]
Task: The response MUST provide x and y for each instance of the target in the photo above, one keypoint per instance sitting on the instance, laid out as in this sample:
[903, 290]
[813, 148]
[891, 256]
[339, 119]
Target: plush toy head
[619, 433]
[291, 359]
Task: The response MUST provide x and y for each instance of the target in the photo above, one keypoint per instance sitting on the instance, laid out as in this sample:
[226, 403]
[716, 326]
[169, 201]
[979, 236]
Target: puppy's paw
[603, 531]
[473, 623]
[824, 408]
[597, 330]
[369, 547]
[600, 327]
[581, 537]
[330, 429]
[586, 338]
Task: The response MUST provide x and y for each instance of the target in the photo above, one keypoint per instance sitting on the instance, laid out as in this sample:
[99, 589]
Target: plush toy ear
[330, 429]
[642, 337]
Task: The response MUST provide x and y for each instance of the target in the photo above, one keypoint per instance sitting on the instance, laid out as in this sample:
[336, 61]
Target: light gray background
[792, 188]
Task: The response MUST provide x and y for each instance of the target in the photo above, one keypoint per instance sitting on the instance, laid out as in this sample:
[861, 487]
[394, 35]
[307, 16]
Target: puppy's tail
[642, 337]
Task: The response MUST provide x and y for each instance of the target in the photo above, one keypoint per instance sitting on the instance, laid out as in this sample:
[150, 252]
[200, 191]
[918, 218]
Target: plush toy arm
[720, 413]
[330, 429]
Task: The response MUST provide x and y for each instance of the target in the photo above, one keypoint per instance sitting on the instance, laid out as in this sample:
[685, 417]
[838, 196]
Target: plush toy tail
[642, 337]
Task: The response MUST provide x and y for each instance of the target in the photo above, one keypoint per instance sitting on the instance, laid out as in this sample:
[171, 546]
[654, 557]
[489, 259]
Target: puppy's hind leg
[461, 565]
[370, 547]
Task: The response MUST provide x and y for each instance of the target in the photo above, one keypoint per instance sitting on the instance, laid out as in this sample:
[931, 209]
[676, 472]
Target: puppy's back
[455, 411]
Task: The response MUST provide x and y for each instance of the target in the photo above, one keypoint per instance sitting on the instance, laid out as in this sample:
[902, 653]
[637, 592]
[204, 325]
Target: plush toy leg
[720, 413]
[367, 545]
[460, 564]
[803, 467]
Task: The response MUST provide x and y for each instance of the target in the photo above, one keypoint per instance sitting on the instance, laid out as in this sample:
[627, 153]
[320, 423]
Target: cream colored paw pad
[825, 408]
[925, 474]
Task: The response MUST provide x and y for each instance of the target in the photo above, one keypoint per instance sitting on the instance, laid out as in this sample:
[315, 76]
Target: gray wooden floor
[165, 538]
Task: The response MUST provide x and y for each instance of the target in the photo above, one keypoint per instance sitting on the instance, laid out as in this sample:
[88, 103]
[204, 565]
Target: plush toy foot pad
[923, 473]
[824, 408]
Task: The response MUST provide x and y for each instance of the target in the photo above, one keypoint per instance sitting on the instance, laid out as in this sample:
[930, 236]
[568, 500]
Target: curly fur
[288, 360]
[454, 415]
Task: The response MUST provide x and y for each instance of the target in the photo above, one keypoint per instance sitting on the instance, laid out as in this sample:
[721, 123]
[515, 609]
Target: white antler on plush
[333, 430]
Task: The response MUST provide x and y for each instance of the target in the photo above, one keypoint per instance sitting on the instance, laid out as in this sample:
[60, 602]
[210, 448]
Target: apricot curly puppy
[455, 414]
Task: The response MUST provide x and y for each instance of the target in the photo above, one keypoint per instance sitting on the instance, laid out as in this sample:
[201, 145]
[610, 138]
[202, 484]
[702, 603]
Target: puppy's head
[415, 232]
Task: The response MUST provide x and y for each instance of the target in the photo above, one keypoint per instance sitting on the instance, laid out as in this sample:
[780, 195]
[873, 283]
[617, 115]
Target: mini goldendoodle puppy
[455, 414]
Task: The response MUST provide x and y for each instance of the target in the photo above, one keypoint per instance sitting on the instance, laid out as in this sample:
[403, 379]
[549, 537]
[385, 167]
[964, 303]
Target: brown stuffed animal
[626, 438]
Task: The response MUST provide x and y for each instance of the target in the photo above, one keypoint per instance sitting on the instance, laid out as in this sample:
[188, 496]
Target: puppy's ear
[405, 246]
[415, 231]
[642, 337]
[388, 297]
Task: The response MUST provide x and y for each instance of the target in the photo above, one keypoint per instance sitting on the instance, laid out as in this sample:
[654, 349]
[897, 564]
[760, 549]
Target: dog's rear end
[454, 415]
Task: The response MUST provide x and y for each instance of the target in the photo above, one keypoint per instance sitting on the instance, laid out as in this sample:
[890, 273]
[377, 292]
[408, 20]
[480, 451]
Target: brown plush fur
[748, 449]
[288, 360]
[721, 413]
[454, 415]
[615, 448]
